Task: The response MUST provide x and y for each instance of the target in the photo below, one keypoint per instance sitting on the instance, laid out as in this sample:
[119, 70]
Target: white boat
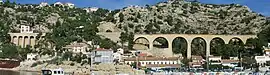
[53, 72]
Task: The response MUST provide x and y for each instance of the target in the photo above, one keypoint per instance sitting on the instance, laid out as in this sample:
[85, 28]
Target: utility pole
[207, 64]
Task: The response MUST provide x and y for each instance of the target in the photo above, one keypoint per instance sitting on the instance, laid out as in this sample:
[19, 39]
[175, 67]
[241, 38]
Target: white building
[120, 50]
[26, 29]
[215, 60]
[230, 63]
[58, 4]
[262, 59]
[155, 62]
[77, 47]
[31, 56]
[43, 4]
[197, 61]
[267, 50]
[234, 58]
[101, 55]
[117, 57]
[92, 9]
[70, 5]
[266, 57]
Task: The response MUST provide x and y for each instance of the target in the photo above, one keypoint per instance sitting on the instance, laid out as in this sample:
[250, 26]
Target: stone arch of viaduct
[189, 38]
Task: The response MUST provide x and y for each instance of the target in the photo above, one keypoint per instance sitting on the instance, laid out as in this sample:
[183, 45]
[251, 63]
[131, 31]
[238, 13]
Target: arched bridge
[189, 38]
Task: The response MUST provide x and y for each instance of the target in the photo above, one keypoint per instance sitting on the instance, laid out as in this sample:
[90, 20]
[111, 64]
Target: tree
[67, 55]
[186, 61]
[107, 43]
[121, 16]
[9, 50]
[4, 29]
[130, 40]
[248, 61]
[127, 37]
[254, 47]
[123, 37]
[179, 46]
[264, 35]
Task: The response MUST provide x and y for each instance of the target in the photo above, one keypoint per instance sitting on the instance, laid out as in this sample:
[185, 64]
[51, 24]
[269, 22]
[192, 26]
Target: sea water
[7, 72]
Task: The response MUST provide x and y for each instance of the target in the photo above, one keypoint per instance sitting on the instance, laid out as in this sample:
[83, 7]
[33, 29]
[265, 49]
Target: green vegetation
[127, 38]
[180, 46]
[71, 24]
[74, 24]
[9, 50]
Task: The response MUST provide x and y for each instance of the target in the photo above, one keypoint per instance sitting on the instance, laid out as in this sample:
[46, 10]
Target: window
[62, 72]
[161, 62]
[54, 72]
[150, 63]
[59, 72]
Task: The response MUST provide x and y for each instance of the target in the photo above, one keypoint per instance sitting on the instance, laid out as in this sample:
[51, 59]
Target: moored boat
[53, 72]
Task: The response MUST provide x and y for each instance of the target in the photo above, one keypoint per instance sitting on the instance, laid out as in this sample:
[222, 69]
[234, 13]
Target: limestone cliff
[190, 18]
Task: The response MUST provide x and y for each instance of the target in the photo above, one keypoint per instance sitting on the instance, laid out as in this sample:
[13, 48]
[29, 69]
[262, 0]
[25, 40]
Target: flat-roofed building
[262, 59]
[196, 61]
[25, 37]
[76, 47]
[267, 50]
[215, 60]
[155, 62]
[230, 63]
[102, 55]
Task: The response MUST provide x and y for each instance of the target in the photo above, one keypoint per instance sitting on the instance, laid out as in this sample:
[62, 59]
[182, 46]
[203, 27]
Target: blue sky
[259, 6]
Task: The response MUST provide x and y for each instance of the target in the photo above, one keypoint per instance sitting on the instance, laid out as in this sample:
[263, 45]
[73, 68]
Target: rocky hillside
[62, 24]
[190, 18]
[41, 19]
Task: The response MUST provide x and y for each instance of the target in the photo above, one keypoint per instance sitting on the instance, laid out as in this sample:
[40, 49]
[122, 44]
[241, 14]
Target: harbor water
[7, 72]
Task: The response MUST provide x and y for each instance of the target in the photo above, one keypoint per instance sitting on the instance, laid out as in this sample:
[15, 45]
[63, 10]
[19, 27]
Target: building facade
[25, 37]
[230, 63]
[215, 60]
[262, 60]
[154, 62]
[76, 47]
[102, 56]
[196, 61]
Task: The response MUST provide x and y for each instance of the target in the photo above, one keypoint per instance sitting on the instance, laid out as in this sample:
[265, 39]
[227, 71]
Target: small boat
[53, 72]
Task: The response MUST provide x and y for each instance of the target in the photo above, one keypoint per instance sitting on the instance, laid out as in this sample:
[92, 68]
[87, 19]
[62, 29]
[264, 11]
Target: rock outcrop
[180, 16]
